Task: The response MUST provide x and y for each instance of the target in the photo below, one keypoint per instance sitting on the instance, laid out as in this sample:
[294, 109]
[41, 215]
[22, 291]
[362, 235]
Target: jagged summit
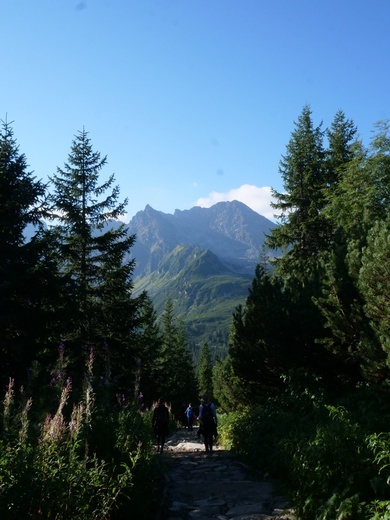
[231, 230]
[203, 259]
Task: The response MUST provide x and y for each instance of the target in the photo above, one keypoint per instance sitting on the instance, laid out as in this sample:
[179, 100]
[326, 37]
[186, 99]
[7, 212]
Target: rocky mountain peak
[230, 230]
[204, 259]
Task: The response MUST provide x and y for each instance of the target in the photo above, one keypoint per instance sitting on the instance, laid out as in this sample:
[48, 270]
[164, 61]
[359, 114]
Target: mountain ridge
[231, 230]
[203, 259]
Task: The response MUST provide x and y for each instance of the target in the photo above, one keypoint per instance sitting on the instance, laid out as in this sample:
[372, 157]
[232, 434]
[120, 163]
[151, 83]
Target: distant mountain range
[231, 230]
[204, 259]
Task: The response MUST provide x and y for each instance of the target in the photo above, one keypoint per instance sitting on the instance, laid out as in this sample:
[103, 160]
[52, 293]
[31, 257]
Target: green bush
[91, 463]
[379, 444]
[331, 464]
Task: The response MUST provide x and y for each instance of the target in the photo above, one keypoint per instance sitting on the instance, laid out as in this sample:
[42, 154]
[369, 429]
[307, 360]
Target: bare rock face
[230, 230]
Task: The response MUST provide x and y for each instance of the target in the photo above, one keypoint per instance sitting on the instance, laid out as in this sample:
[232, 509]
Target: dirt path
[215, 485]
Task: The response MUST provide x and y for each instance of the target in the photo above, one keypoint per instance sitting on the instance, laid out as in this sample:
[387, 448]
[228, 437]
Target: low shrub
[330, 462]
[87, 463]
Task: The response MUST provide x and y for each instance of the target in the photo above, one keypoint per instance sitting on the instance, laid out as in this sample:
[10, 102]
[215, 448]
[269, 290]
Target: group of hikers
[206, 417]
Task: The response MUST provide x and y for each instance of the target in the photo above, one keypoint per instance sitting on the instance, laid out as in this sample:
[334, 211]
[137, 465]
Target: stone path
[203, 486]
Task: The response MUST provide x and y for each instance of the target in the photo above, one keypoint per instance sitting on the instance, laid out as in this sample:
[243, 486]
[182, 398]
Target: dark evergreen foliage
[260, 337]
[312, 312]
[24, 281]
[227, 386]
[148, 352]
[303, 228]
[205, 372]
[101, 311]
[176, 370]
[359, 201]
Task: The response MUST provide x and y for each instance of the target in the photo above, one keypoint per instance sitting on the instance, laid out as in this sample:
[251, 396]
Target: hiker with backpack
[190, 417]
[160, 423]
[208, 422]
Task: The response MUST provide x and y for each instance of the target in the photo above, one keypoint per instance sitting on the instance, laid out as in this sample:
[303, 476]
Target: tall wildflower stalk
[24, 422]
[89, 394]
[56, 469]
[8, 400]
[55, 426]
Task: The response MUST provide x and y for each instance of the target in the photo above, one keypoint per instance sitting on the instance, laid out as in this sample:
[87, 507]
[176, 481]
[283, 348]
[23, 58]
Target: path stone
[216, 485]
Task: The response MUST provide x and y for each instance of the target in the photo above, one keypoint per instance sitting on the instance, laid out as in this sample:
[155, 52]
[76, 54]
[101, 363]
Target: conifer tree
[340, 150]
[148, 351]
[360, 200]
[267, 340]
[94, 259]
[205, 371]
[374, 285]
[280, 327]
[176, 370]
[227, 386]
[22, 279]
[302, 226]
[304, 235]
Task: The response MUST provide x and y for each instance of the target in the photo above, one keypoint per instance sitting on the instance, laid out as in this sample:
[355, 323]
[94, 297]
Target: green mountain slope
[204, 260]
[204, 292]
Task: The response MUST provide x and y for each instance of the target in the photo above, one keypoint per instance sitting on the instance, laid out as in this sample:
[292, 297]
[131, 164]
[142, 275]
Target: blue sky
[192, 101]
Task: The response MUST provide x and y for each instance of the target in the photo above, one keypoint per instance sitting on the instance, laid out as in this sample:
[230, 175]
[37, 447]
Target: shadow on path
[215, 485]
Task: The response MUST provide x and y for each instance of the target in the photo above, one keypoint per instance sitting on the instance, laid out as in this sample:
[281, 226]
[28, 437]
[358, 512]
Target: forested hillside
[203, 291]
[309, 351]
[304, 391]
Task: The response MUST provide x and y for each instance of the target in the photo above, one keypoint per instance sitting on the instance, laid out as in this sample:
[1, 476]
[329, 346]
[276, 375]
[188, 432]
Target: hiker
[208, 422]
[160, 423]
[190, 417]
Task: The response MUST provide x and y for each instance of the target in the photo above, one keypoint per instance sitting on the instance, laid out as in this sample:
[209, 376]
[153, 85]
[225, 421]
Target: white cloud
[258, 199]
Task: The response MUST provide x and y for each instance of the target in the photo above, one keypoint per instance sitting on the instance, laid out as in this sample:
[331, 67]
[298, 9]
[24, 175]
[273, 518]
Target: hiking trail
[216, 485]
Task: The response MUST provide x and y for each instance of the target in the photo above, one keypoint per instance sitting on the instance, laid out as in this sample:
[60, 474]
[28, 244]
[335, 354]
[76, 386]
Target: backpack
[162, 418]
[207, 413]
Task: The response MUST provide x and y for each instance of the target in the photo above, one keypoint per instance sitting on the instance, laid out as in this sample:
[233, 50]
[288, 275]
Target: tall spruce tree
[360, 200]
[304, 232]
[302, 228]
[280, 326]
[176, 370]
[93, 254]
[374, 285]
[23, 281]
[227, 386]
[340, 302]
[205, 371]
[340, 150]
[148, 352]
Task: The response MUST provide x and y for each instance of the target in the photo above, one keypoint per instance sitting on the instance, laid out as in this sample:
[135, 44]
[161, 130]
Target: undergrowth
[332, 458]
[85, 460]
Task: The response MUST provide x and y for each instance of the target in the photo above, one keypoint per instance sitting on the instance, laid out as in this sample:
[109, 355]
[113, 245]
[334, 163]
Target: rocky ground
[203, 486]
